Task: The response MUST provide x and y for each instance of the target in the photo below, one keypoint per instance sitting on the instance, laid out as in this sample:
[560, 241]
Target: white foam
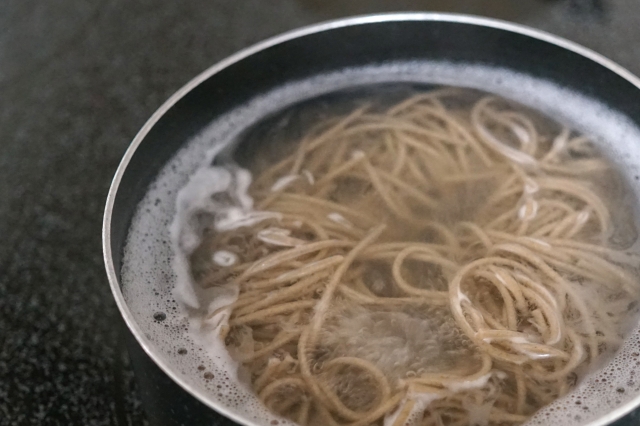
[149, 276]
[224, 258]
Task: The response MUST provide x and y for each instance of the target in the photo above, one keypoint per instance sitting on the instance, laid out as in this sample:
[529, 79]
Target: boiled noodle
[451, 259]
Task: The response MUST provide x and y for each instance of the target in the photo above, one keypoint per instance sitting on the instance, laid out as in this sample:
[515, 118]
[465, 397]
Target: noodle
[472, 227]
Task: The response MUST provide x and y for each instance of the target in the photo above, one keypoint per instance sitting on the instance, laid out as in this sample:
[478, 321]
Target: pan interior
[149, 275]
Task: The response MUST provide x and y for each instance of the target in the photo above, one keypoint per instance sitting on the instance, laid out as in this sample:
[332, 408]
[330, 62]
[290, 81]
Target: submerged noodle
[431, 264]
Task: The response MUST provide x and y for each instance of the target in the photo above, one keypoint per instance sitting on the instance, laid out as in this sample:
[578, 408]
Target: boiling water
[153, 269]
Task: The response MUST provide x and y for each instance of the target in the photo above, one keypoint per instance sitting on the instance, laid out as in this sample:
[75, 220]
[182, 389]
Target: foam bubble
[150, 277]
[224, 258]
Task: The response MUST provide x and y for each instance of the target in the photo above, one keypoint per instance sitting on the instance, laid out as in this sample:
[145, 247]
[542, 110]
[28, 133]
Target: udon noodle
[433, 263]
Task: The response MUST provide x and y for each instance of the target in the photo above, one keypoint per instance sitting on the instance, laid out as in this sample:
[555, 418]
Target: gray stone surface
[78, 78]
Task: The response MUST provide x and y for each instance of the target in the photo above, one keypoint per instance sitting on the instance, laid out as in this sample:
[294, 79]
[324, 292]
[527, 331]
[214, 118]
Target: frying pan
[302, 55]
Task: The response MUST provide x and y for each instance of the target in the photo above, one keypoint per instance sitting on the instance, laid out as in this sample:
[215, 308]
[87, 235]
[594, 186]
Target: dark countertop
[78, 78]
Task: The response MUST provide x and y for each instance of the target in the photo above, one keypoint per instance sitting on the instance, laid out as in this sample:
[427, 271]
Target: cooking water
[159, 288]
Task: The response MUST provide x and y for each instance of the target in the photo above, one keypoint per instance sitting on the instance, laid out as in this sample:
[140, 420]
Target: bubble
[159, 316]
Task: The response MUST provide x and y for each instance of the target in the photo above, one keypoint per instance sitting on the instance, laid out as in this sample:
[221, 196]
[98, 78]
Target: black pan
[300, 55]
